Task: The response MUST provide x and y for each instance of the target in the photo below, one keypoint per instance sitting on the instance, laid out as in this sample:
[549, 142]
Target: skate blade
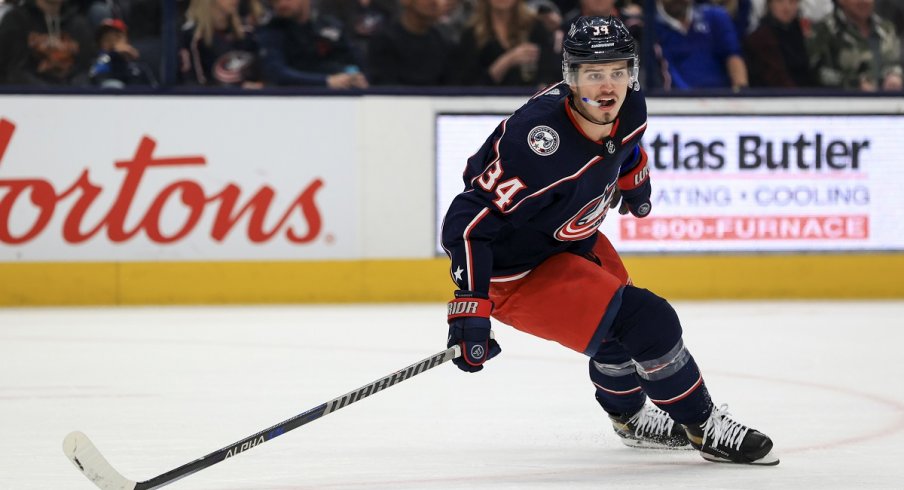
[769, 459]
[653, 445]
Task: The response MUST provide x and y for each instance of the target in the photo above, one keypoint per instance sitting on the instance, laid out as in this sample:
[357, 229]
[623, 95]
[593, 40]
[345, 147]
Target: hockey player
[525, 250]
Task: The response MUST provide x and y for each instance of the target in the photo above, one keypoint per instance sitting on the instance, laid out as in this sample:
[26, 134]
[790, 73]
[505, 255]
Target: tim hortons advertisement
[112, 179]
[743, 183]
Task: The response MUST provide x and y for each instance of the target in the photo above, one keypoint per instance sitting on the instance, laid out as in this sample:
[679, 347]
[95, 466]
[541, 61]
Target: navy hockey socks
[649, 329]
[613, 374]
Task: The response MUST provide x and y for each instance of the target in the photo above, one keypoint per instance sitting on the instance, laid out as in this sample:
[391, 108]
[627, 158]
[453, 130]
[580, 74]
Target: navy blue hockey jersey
[537, 187]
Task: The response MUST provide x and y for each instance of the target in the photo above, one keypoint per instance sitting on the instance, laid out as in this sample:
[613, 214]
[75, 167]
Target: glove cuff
[635, 177]
[461, 307]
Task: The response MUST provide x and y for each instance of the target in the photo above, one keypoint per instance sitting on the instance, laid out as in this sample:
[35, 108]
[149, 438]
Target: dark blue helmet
[598, 40]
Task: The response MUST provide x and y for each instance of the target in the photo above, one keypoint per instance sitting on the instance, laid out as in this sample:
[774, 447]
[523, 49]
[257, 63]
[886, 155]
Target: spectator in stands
[739, 11]
[145, 21]
[776, 51]
[117, 64]
[549, 15]
[566, 5]
[699, 46]
[893, 11]
[362, 19]
[411, 50]
[810, 10]
[217, 48]
[299, 47]
[856, 49]
[45, 43]
[505, 44]
[631, 14]
[100, 10]
[455, 17]
[4, 7]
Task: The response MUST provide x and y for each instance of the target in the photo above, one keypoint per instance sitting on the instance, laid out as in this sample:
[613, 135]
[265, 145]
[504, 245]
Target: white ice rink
[158, 387]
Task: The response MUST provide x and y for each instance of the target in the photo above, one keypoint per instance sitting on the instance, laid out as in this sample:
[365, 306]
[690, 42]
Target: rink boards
[139, 200]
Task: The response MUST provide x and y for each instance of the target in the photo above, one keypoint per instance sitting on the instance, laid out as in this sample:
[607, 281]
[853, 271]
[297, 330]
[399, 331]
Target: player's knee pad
[648, 327]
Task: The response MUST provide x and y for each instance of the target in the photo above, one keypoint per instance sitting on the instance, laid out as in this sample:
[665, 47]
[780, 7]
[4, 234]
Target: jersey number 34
[505, 191]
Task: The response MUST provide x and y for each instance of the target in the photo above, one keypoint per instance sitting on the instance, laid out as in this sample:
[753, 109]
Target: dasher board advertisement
[175, 179]
[742, 183]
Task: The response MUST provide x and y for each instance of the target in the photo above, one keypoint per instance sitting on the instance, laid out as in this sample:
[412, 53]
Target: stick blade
[85, 456]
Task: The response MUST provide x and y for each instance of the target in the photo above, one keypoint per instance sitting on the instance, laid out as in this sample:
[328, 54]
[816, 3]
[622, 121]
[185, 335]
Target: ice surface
[155, 388]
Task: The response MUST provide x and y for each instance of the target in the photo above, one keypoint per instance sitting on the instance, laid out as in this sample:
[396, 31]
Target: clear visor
[610, 73]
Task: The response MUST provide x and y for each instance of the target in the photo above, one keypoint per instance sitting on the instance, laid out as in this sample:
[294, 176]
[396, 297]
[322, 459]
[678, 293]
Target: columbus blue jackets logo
[233, 67]
[585, 223]
[543, 140]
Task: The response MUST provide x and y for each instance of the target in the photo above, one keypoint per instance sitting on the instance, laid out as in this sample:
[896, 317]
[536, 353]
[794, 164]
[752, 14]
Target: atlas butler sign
[159, 200]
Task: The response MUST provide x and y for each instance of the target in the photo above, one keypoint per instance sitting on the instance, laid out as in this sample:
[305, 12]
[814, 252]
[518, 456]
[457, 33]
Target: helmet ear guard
[598, 40]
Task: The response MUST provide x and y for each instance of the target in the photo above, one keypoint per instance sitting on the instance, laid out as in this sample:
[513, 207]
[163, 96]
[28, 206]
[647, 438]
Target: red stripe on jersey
[550, 186]
[634, 133]
[614, 127]
[469, 260]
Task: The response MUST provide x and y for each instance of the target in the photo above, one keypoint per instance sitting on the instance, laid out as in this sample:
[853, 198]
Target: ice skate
[723, 440]
[650, 428]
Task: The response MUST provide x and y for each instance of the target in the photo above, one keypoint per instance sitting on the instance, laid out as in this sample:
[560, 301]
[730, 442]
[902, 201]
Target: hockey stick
[85, 456]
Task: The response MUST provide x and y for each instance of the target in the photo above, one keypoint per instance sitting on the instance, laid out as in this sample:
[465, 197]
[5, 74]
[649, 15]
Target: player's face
[600, 90]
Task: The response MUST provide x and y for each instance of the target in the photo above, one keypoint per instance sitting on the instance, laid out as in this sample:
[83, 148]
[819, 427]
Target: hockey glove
[469, 327]
[636, 189]
[638, 200]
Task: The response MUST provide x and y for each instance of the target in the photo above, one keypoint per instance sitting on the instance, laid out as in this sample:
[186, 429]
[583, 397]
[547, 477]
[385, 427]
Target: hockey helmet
[598, 40]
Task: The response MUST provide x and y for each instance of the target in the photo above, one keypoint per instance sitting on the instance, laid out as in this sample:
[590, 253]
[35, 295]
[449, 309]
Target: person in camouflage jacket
[856, 49]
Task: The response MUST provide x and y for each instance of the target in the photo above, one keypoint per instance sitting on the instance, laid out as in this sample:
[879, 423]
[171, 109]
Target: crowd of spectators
[355, 44]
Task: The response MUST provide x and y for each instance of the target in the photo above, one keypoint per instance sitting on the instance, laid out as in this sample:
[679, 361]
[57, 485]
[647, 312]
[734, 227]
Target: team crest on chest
[586, 221]
[543, 140]
[610, 146]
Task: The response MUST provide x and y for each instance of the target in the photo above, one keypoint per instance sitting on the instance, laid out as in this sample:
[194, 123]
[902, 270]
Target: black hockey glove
[469, 327]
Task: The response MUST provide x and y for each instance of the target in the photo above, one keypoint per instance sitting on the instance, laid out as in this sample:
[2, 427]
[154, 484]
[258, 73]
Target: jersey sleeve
[636, 161]
[504, 188]
[634, 171]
